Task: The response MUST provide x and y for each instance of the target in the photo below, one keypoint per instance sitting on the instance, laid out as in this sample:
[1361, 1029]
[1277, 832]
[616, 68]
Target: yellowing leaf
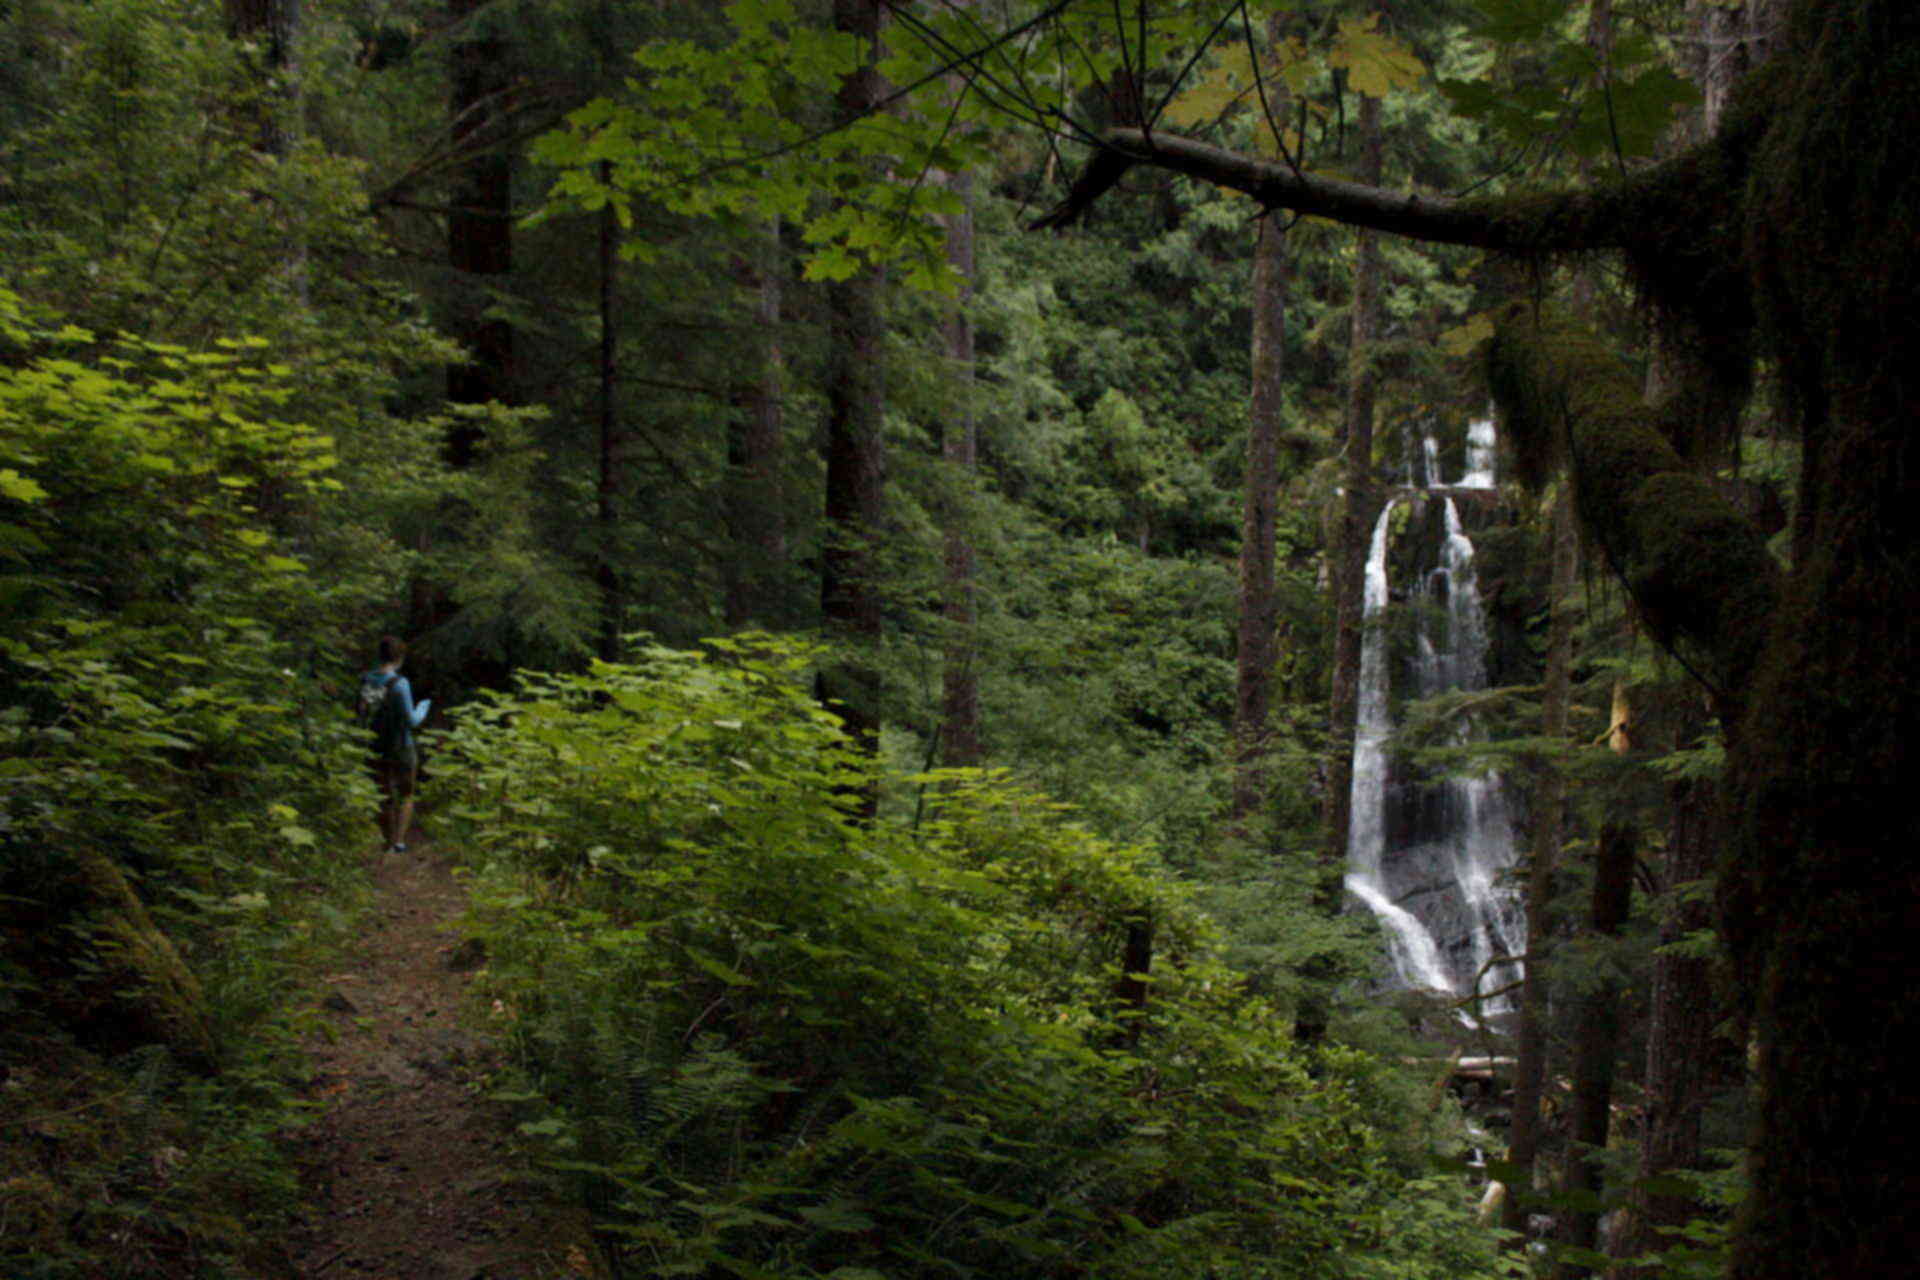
[1203, 103]
[1376, 63]
[1463, 338]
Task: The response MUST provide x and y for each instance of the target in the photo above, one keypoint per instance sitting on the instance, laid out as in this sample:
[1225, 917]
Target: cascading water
[1427, 857]
[1481, 438]
[1416, 958]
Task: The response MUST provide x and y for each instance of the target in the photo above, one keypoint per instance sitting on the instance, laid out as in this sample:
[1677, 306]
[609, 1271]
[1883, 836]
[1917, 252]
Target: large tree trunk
[1543, 851]
[1821, 885]
[855, 487]
[480, 223]
[1261, 496]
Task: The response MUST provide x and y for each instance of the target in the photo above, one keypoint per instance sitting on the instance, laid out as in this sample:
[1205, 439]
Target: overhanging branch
[1606, 217]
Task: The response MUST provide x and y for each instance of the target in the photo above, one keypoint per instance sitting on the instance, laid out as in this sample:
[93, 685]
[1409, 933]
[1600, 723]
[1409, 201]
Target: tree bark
[1596, 1043]
[960, 737]
[855, 482]
[607, 487]
[1685, 1060]
[754, 447]
[1266, 421]
[480, 222]
[1347, 548]
[1684, 1063]
[275, 26]
[1543, 852]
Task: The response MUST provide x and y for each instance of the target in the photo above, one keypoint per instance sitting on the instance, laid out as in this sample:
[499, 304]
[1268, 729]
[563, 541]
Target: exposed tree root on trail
[410, 1170]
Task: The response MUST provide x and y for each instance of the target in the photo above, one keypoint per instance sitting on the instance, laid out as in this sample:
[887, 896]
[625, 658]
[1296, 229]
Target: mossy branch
[1697, 569]
[1631, 214]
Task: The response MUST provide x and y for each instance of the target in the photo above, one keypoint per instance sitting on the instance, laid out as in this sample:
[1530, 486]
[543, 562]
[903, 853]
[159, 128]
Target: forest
[1067, 638]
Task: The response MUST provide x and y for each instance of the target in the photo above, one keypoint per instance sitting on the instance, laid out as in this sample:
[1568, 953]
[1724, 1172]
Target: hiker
[388, 710]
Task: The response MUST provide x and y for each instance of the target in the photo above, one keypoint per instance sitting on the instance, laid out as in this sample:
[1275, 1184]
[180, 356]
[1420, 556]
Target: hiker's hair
[392, 649]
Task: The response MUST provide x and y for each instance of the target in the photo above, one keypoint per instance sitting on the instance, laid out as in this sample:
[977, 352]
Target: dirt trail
[410, 1172]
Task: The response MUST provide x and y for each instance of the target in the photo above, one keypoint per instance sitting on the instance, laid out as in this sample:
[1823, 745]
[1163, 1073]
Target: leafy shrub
[768, 1039]
[176, 790]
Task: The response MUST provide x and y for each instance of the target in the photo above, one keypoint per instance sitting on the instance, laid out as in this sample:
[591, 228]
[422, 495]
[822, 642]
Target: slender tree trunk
[273, 26]
[1347, 559]
[1347, 548]
[1543, 851]
[960, 739]
[1685, 1061]
[754, 446]
[1597, 1021]
[855, 482]
[480, 225]
[1257, 608]
[606, 505]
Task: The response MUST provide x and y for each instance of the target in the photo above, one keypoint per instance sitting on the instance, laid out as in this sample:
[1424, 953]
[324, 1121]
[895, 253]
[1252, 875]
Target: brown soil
[411, 1172]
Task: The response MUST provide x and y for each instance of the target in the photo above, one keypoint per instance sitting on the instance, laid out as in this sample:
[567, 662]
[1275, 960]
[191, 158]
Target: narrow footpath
[410, 1171]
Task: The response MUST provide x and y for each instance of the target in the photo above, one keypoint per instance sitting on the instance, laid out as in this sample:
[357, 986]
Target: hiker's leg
[383, 776]
[404, 776]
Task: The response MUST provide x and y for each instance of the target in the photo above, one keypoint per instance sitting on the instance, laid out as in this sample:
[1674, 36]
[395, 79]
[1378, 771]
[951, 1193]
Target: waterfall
[1480, 441]
[1415, 955]
[1478, 829]
[1428, 857]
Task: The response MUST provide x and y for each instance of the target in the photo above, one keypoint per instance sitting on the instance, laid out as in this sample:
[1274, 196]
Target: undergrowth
[764, 1038]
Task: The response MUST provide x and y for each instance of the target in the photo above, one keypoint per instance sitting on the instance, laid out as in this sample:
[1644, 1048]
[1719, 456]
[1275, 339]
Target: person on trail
[387, 709]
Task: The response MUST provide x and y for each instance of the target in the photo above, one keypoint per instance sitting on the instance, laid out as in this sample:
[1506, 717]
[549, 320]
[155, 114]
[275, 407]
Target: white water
[1480, 841]
[1480, 443]
[1449, 878]
[1415, 955]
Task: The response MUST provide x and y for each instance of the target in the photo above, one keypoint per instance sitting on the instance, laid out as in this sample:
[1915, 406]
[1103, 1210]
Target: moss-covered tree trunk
[1822, 885]
[163, 999]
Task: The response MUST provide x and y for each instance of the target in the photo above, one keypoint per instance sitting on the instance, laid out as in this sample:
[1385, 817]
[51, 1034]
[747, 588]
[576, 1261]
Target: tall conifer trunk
[758, 552]
[960, 742]
[273, 27]
[855, 482]
[480, 223]
[1543, 851]
[1347, 548]
[1597, 1020]
[1254, 697]
[607, 488]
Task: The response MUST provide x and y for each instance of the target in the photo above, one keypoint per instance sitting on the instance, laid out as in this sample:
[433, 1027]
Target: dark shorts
[395, 774]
